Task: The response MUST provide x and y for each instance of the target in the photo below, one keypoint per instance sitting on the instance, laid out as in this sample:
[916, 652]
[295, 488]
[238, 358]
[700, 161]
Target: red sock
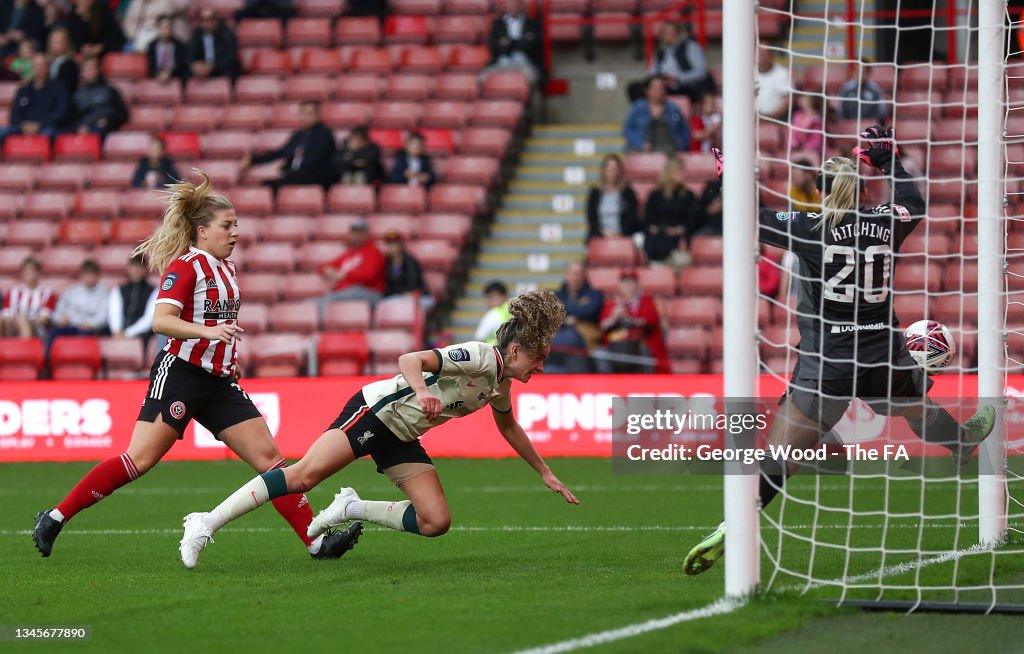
[101, 481]
[294, 508]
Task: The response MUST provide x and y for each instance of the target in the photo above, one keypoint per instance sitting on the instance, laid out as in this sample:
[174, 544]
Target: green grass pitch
[520, 568]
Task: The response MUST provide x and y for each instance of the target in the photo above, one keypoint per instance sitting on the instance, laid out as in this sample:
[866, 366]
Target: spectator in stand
[21, 66]
[377, 8]
[359, 273]
[28, 308]
[98, 106]
[61, 54]
[308, 154]
[632, 328]
[166, 54]
[82, 310]
[94, 29]
[669, 217]
[680, 63]
[804, 191]
[411, 166]
[156, 169]
[53, 18]
[40, 106]
[131, 305]
[358, 161]
[280, 9]
[655, 125]
[20, 20]
[515, 42]
[213, 50]
[708, 218]
[705, 126]
[497, 314]
[404, 275]
[142, 21]
[807, 124]
[570, 348]
[862, 99]
[612, 205]
[773, 86]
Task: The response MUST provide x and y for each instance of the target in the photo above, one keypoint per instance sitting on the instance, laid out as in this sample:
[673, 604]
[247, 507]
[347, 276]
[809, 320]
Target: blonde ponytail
[189, 206]
[842, 197]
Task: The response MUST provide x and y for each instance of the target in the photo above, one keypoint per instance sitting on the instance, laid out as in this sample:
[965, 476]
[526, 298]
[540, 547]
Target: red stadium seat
[469, 58]
[688, 342]
[11, 256]
[271, 62]
[657, 280]
[701, 311]
[918, 277]
[357, 31]
[437, 284]
[346, 115]
[287, 350]
[324, 61]
[77, 147]
[182, 144]
[10, 205]
[262, 288]
[253, 317]
[331, 368]
[215, 91]
[253, 201]
[396, 115]
[415, 7]
[612, 251]
[304, 286]
[406, 30]
[496, 113]
[21, 352]
[190, 118]
[458, 29]
[318, 8]
[123, 357]
[144, 203]
[359, 87]
[472, 170]
[306, 199]
[69, 351]
[308, 87]
[492, 142]
[467, 7]
[387, 345]
[457, 198]
[445, 114]
[104, 174]
[308, 32]
[644, 166]
[409, 87]
[19, 147]
[352, 199]
[64, 259]
[84, 232]
[454, 228]
[50, 206]
[97, 204]
[334, 346]
[398, 312]
[417, 59]
[223, 173]
[457, 86]
[252, 88]
[221, 144]
[313, 255]
[298, 317]
[702, 280]
[148, 119]
[259, 33]
[133, 230]
[122, 65]
[247, 117]
[347, 316]
[434, 255]
[334, 227]
[960, 278]
[438, 142]
[390, 141]
[271, 257]
[288, 229]
[126, 145]
[286, 116]
[382, 223]
[19, 176]
[707, 250]
[155, 92]
[371, 60]
[400, 198]
[507, 86]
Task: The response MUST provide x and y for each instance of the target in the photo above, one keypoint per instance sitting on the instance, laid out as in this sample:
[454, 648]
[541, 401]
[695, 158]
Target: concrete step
[532, 247]
[601, 146]
[480, 278]
[533, 232]
[539, 217]
[508, 260]
[578, 130]
[560, 159]
[555, 174]
[555, 202]
[553, 187]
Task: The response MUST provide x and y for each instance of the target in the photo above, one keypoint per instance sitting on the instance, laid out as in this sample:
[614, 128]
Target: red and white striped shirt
[33, 303]
[206, 290]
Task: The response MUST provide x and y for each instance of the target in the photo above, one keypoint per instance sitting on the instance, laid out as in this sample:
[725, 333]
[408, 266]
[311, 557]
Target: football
[931, 344]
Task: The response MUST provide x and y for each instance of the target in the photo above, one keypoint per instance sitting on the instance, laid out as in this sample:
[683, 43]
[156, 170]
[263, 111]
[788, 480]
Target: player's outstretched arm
[880, 151]
[513, 433]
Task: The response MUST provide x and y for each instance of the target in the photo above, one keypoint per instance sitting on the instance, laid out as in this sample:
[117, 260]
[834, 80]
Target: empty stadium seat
[126, 145]
[347, 316]
[657, 280]
[406, 30]
[458, 29]
[20, 147]
[643, 166]
[223, 144]
[75, 357]
[347, 114]
[331, 367]
[123, 357]
[445, 114]
[363, 30]
[299, 317]
[313, 255]
[47, 205]
[123, 65]
[102, 174]
[702, 311]
[258, 88]
[707, 250]
[259, 33]
[308, 87]
[305, 199]
[18, 177]
[370, 60]
[277, 354]
[389, 344]
[400, 198]
[457, 86]
[689, 342]
[496, 113]
[83, 232]
[454, 228]
[468, 58]
[337, 346]
[11, 256]
[334, 227]
[701, 280]
[510, 85]
[467, 7]
[77, 147]
[253, 317]
[216, 91]
[308, 32]
[271, 257]
[612, 251]
[434, 254]
[416, 59]
[262, 288]
[271, 62]
[348, 198]
[155, 92]
[288, 229]
[396, 115]
[415, 88]
[20, 358]
[257, 201]
[487, 141]
[304, 286]
[457, 198]
[484, 171]
[132, 230]
[190, 118]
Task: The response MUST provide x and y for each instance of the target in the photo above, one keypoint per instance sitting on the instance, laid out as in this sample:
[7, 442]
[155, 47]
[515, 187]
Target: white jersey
[468, 379]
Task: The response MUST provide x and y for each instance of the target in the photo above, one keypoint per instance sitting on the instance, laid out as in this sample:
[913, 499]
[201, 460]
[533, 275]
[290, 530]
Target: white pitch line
[721, 607]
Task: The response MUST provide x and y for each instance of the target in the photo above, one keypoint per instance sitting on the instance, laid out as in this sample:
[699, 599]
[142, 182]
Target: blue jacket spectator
[412, 167]
[156, 169]
[580, 332]
[655, 125]
[213, 49]
[40, 106]
[19, 20]
[99, 107]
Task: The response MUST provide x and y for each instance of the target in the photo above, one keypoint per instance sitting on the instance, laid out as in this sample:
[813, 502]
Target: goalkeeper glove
[719, 163]
[881, 148]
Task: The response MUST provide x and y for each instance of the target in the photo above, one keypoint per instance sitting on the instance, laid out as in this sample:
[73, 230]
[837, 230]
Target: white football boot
[197, 535]
[334, 514]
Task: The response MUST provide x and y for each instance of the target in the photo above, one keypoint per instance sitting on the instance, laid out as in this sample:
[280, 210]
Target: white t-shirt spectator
[773, 88]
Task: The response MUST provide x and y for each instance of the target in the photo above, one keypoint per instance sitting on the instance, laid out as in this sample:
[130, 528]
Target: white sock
[314, 547]
[354, 510]
[251, 496]
[386, 514]
[57, 515]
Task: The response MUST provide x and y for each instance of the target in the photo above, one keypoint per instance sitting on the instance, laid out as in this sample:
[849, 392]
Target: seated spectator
[773, 86]
[156, 169]
[655, 125]
[166, 54]
[20, 20]
[680, 63]
[404, 275]
[862, 99]
[98, 106]
[496, 299]
[82, 310]
[359, 273]
[807, 124]
[21, 66]
[142, 21]
[570, 348]
[94, 29]
[130, 307]
[632, 330]
[411, 166]
[708, 219]
[308, 154]
[612, 205]
[40, 106]
[213, 50]
[280, 9]
[28, 308]
[378, 8]
[705, 126]
[358, 161]
[515, 42]
[804, 191]
[61, 53]
[669, 217]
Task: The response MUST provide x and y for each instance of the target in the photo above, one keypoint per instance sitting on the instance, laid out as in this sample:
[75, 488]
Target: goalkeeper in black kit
[851, 344]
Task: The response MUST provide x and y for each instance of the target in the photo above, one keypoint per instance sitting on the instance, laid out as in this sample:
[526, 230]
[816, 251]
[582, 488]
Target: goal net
[912, 532]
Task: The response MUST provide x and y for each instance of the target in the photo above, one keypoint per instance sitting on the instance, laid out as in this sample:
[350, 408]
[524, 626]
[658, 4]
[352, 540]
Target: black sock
[770, 482]
[938, 428]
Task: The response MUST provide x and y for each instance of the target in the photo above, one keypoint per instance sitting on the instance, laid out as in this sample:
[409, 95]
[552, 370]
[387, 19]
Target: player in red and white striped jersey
[28, 308]
[194, 375]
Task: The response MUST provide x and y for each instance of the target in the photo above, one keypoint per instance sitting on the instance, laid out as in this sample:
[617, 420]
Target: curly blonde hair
[536, 316]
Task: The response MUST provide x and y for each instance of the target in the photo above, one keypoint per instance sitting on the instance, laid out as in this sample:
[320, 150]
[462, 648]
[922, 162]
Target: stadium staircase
[540, 224]
[814, 38]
